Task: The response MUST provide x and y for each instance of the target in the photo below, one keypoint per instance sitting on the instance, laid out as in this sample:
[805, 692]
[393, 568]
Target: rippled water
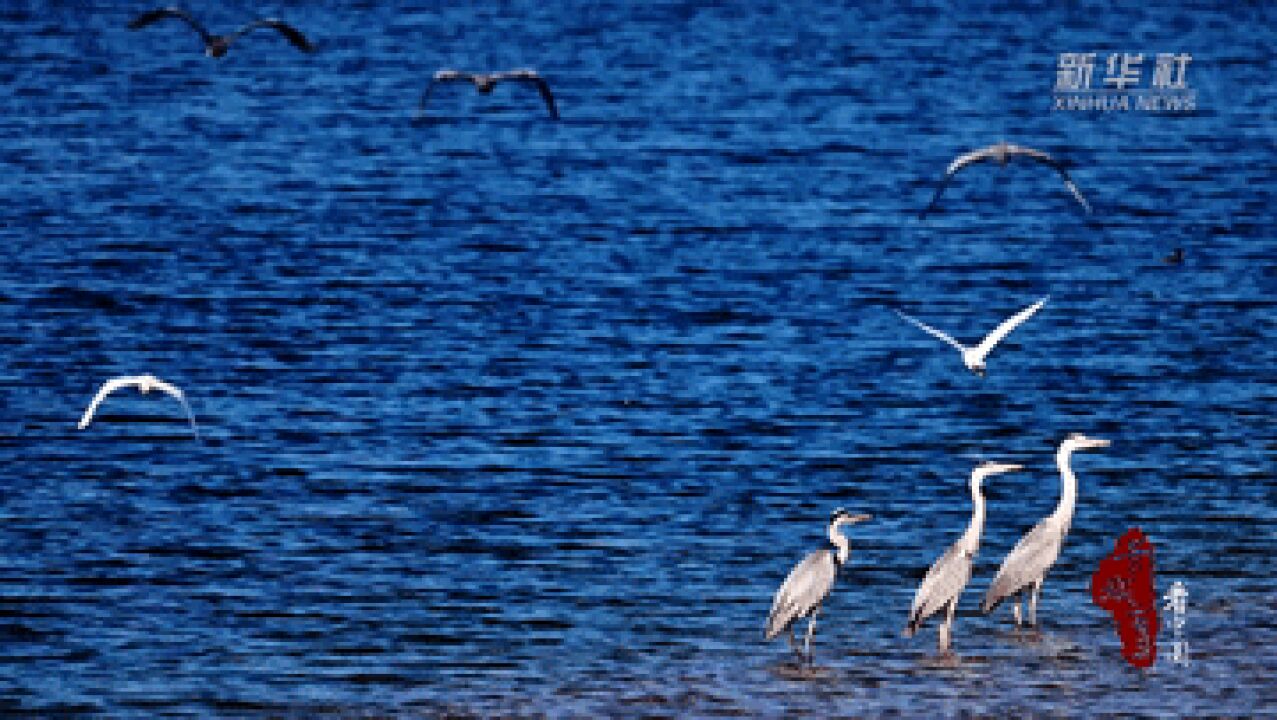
[508, 416]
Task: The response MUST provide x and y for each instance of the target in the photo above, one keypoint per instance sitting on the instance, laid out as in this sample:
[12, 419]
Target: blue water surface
[504, 416]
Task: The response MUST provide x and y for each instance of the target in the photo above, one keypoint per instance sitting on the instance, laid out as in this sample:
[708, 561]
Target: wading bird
[809, 583]
[145, 384]
[217, 45]
[485, 82]
[1001, 153]
[948, 576]
[1036, 552]
[973, 357]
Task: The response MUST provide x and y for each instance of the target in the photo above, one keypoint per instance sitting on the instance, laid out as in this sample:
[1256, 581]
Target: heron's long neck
[971, 538]
[1068, 489]
[840, 542]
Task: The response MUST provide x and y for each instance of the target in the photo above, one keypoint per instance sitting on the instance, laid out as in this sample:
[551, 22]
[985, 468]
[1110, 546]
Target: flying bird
[973, 357]
[1026, 566]
[948, 576]
[144, 384]
[809, 583]
[1001, 153]
[485, 82]
[1175, 258]
[217, 45]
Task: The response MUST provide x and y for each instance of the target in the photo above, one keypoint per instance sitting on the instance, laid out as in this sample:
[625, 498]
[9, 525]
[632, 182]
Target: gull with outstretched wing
[144, 384]
[1000, 153]
[974, 357]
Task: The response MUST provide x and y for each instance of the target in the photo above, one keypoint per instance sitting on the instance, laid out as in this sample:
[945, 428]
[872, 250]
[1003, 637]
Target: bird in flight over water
[217, 45]
[144, 384]
[973, 357]
[485, 82]
[1000, 153]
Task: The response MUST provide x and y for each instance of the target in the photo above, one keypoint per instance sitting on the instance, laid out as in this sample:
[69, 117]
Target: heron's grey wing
[807, 585]
[1028, 561]
[151, 16]
[944, 581]
[1011, 323]
[107, 388]
[290, 33]
[174, 392]
[934, 332]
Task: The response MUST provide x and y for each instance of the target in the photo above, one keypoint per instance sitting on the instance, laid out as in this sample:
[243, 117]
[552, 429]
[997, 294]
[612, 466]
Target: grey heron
[809, 583]
[974, 357]
[1027, 564]
[144, 384]
[217, 45]
[1000, 153]
[485, 82]
[948, 576]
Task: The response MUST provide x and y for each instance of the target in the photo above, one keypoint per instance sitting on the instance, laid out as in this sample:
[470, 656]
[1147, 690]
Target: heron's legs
[793, 642]
[946, 629]
[811, 630]
[1033, 603]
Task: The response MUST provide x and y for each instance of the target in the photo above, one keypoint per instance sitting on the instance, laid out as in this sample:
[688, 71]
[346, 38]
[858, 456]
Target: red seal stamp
[1123, 585]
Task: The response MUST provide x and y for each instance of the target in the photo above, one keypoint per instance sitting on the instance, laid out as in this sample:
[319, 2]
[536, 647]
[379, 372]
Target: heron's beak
[1098, 442]
[853, 519]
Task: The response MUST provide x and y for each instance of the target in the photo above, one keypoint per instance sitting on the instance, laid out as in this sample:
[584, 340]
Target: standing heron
[216, 45]
[1037, 551]
[809, 583]
[1000, 153]
[947, 578]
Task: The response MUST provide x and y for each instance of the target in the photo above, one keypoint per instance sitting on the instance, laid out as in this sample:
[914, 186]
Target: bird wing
[292, 34]
[1046, 159]
[441, 76]
[175, 392]
[967, 158]
[807, 585]
[936, 198]
[1007, 326]
[107, 388]
[932, 331]
[944, 582]
[535, 78]
[151, 16]
[1028, 561]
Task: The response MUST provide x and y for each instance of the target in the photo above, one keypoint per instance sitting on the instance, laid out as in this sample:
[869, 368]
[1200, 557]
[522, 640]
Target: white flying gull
[217, 45]
[1001, 153]
[973, 357]
[144, 383]
[485, 82]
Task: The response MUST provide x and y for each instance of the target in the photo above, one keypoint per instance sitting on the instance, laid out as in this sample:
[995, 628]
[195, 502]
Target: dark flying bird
[1175, 258]
[217, 45]
[485, 82]
[1001, 153]
[809, 583]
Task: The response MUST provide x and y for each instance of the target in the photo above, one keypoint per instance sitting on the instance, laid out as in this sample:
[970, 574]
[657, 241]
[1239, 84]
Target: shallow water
[508, 416]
